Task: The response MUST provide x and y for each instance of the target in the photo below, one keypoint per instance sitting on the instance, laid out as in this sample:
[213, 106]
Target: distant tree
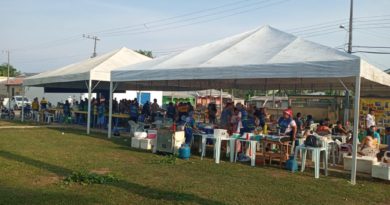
[12, 71]
[145, 53]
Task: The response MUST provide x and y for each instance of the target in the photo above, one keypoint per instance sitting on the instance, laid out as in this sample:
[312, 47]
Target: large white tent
[85, 76]
[264, 58]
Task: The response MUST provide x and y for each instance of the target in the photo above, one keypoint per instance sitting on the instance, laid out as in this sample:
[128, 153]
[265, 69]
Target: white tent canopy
[264, 58]
[86, 75]
[74, 75]
[252, 58]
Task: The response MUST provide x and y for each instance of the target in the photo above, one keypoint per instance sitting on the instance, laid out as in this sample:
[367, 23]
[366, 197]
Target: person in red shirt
[323, 128]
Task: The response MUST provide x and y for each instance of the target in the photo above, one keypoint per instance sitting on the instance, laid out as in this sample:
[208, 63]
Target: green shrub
[86, 178]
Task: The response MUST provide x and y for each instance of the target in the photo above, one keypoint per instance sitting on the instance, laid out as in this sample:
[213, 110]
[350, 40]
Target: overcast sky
[47, 34]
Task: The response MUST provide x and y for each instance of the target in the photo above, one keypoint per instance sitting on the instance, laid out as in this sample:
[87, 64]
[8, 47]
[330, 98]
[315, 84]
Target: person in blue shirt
[101, 111]
[226, 116]
[189, 126]
[133, 112]
[146, 109]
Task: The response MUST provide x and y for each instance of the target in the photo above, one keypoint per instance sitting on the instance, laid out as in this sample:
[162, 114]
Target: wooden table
[279, 141]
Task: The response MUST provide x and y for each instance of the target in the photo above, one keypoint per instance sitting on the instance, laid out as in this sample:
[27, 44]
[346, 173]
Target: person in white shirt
[370, 119]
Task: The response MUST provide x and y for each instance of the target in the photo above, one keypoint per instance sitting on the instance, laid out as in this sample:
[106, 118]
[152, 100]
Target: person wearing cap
[287, 124]
[370, 118]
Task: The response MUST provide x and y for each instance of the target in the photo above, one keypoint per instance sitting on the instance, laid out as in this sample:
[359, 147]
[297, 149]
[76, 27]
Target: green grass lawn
[33, 163]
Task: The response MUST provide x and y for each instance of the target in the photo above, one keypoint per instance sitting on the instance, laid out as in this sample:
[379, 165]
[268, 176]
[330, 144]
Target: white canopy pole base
[355, 129]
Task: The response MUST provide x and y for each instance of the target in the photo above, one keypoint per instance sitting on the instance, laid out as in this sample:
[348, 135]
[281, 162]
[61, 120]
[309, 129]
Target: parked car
[16, 102]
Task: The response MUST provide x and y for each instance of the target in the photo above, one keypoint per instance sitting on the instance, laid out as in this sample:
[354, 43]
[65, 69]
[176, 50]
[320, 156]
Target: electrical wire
[164, 28]
[170, 18]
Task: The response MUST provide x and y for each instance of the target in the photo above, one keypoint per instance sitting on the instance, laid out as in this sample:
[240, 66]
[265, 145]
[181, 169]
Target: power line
[372, 46]
[170, 18]
[163, 28]
[372, 52]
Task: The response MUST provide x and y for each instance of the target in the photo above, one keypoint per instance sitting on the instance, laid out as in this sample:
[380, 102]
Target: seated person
[376, 135]
[323, 128]
[362, 133]
[387, 135]
[339, 129]
[369, 145]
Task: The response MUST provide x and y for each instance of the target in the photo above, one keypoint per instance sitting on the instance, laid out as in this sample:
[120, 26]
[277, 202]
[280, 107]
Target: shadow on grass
[60, 171]
[144, 191]
[19, 195]
[96, 135]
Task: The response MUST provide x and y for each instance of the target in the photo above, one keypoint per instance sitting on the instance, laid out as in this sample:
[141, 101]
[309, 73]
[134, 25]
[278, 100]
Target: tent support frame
[112, 89]
[355, 129]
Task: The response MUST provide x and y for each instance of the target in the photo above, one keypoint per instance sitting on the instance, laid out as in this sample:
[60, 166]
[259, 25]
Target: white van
[16, 102]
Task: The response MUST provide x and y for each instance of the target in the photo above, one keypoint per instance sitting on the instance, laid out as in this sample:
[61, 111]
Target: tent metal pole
[355, 129]
[89, 106]
[110, 111]
[139, 97]
[22, 115]
[220, 95]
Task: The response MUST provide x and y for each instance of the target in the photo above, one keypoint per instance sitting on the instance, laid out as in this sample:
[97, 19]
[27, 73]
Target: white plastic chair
[49, 117]
[133, 127]
[316, 152]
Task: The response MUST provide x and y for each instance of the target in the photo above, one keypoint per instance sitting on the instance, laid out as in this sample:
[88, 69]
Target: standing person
[189, 126]
[171, 111]
[35, 107]
[43, 103]
[146, 109]
[234, 121]
[370, 118]
[226, 116]
[300, 124]
[183, 110]
[263, 116]
[101, 111]
[212, 111]
[66, 109]
[133, 111]
[155, 108]
[287, 125]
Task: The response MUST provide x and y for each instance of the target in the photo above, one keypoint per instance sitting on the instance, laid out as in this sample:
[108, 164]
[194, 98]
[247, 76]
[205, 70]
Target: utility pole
[95, 38]
[350, 28]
